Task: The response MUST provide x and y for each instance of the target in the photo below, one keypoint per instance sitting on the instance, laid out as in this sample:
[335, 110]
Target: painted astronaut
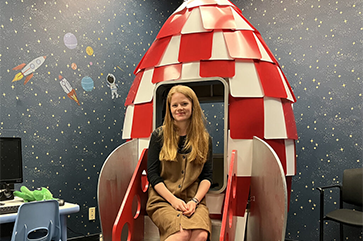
[111, 83]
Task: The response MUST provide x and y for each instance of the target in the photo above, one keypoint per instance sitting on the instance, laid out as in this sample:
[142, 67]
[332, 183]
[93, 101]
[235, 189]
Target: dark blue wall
[318, 44]
[65, 144]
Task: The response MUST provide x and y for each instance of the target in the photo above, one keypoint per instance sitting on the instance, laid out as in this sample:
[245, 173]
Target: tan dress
[181, 178]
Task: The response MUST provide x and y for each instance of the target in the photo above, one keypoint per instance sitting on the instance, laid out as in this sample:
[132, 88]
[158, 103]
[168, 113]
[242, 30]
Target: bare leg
[182, 235]
[199, 235]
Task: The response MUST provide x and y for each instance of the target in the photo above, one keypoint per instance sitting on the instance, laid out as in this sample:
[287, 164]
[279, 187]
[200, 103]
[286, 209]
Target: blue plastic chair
[37, 221]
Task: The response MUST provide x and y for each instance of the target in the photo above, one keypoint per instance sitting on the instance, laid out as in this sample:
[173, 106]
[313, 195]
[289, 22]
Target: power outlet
[92, 213]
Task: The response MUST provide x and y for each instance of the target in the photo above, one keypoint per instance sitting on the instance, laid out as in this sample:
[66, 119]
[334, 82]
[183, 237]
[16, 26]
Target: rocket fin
[19, 66]
[28, 78]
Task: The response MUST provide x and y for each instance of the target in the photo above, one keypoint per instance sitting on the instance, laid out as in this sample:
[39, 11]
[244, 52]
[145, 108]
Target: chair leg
[321, 235]
[341, 232]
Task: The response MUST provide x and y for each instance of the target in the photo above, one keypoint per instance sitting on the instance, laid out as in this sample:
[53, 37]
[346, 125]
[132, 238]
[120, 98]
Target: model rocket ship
[206, 39]
[211, 38]
[71, 93]
[28, 69]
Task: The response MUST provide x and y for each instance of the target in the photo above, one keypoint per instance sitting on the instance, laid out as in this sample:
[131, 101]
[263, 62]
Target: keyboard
[13, 208]
[9, 209]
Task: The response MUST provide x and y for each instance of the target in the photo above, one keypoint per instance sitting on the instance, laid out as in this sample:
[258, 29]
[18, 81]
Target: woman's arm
[202, 189]
[207, 172]
[201, 192]
[177, 203]
[153, 173]
[153, 162]
[204, 185]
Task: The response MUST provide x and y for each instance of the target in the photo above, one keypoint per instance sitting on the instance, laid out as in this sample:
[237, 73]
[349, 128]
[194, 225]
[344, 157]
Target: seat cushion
[347, 216]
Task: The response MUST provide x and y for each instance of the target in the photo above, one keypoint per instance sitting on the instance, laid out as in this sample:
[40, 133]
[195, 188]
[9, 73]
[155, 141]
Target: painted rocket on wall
[27, 70]
[211, 38]
[67, 88]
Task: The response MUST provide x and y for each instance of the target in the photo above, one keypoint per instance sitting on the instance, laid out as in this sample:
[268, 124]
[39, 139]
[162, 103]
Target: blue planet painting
[87, 83]
[70, 40]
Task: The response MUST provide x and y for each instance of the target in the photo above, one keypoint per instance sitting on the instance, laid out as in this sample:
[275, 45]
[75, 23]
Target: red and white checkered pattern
[211, 38]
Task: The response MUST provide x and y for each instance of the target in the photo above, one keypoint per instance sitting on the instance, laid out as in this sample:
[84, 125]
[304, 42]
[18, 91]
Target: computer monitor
[11, 166]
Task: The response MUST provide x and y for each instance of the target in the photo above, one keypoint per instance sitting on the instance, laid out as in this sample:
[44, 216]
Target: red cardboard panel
[289, 120]
[133, 89]
[142, 121]
[168, 72]
[246, 118]
[154, 54]
[270, 79]
[196, 46]
[217, 17]
[242, 44]
[222, 68]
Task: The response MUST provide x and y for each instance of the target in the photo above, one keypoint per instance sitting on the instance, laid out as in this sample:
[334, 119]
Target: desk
[64, 210]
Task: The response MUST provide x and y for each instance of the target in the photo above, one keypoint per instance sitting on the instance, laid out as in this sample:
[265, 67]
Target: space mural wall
[70, 113]
[66, 68]
[318, 44]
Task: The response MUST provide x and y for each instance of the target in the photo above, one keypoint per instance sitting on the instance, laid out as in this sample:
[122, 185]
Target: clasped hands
[188, 209]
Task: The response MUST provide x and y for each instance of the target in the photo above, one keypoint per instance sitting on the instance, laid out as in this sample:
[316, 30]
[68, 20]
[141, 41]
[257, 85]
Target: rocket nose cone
[60, 77]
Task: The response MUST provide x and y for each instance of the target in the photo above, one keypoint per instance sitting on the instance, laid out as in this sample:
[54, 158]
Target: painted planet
[74, 66]
[87, 83]
[89, 50]
[70, 40]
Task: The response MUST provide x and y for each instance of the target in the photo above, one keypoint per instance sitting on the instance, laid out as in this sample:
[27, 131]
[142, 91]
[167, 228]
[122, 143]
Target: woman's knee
[199, 235]
[185, 234]
[182, 235]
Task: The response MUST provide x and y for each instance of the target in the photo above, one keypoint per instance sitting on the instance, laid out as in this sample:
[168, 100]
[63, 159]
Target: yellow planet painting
[89, 50]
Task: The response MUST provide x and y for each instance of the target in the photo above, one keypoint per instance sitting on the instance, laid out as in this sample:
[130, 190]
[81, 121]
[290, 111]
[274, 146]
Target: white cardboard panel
[240, 22]
[129, 116]
[171, 53]
[214, 202]
[268, 217]
[209, 19]
[246, 82]
[287, 89]
[194, 23]
[195, 3]
[275, 127]
[219, 47]
[290, 157]
[240, 48]
[241, 227]
[145, 92]
[190, 70]
[142, 144]
[244, 155]
[263, 52]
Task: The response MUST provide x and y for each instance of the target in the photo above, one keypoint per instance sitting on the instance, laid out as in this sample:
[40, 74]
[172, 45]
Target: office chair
[351, 192]
[37, 221]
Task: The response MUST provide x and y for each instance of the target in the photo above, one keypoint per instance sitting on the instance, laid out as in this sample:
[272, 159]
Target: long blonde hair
[197, 139]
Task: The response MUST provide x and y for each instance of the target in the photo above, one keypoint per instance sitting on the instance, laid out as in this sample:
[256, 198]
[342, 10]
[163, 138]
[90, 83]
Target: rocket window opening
[213, 97]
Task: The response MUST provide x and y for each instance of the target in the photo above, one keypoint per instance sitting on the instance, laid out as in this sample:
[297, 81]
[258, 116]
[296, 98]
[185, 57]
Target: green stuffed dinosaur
[37, 195]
